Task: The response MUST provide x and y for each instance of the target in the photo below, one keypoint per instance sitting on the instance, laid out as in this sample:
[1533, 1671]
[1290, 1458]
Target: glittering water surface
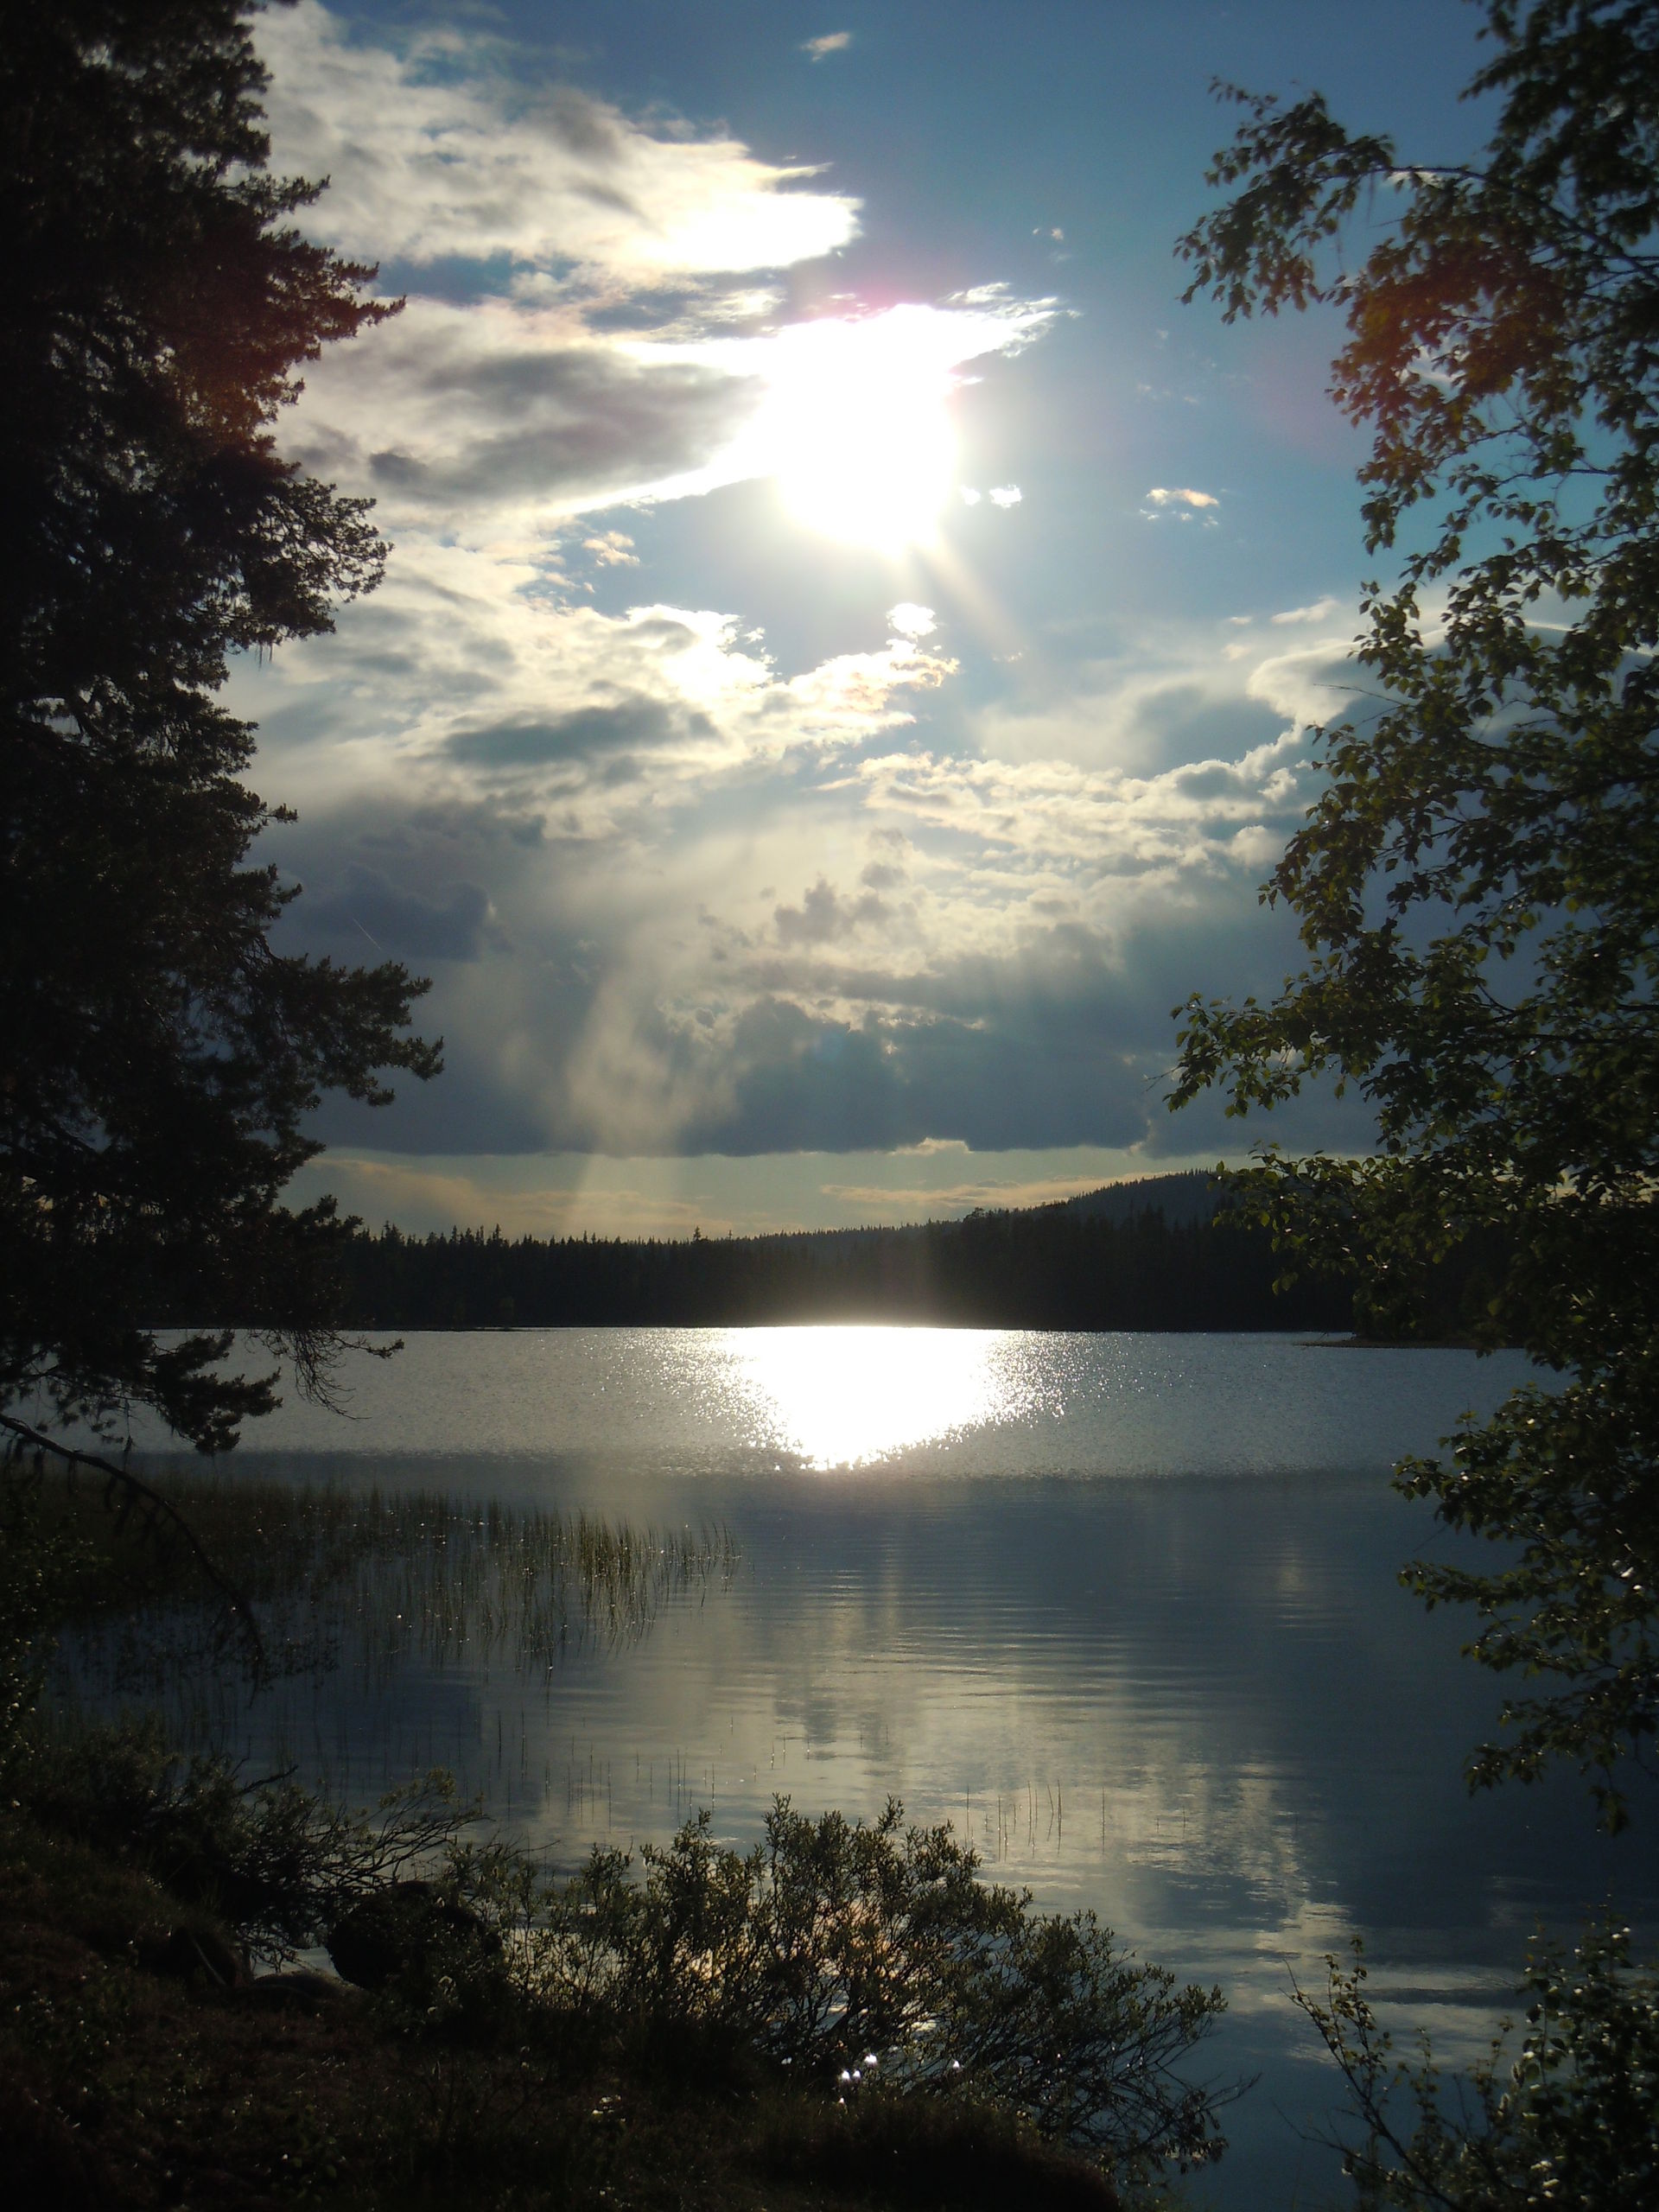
[883, 1391]
[1124, 1608]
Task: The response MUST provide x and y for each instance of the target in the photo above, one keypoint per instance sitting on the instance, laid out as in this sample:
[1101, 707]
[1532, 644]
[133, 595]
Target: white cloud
[1005, 495]
[1313, 684]
[1162, 498]
[932, 916]
[440, 150]
[504, 418]
[500, 414]
[1092, 826]
[627, 769]
[612, 548]
[910, 621]
[855, 696]
[601, 725]
[831, 42]
[1316, 612]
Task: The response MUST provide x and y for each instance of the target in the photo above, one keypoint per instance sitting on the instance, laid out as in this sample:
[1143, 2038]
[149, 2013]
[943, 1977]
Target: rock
[399, 1928]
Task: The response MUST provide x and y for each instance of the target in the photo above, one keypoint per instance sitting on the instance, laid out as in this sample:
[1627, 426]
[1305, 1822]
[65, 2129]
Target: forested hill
[1143, 1255]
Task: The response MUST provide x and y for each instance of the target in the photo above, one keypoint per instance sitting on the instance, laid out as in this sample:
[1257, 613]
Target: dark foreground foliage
[274, 1863]
[862, 1978]
[162, 1056]
[134, 2073]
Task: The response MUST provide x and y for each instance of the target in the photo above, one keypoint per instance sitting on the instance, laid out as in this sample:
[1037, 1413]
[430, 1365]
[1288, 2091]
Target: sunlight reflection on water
[845, 1397]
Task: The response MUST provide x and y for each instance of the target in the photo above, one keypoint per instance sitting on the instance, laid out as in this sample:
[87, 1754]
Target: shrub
[274, 1860]
[873, 1960]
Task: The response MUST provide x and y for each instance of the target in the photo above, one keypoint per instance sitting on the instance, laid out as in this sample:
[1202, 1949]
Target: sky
[843, 672]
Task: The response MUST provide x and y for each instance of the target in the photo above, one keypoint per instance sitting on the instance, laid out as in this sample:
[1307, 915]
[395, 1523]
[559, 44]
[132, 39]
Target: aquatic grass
[437, 1576]
[372, 1577]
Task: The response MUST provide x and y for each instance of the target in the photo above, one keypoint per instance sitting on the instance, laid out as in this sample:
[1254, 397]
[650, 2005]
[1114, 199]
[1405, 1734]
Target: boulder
[406, 1927]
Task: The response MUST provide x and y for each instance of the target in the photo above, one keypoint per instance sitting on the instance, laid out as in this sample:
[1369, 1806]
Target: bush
[271, 1859]
[871, 1960]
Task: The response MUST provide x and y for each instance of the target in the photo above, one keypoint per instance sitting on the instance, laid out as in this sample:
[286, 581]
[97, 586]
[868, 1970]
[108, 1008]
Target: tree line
[1045, 1268]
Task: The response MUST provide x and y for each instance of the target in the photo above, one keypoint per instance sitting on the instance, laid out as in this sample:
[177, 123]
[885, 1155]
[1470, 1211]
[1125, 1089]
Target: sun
[857, 426]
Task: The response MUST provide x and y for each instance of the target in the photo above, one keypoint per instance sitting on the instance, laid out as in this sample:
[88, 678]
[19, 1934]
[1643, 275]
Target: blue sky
[842, 673]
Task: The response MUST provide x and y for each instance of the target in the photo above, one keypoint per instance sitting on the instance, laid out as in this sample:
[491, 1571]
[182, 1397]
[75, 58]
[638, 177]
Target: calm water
[1123, 1608]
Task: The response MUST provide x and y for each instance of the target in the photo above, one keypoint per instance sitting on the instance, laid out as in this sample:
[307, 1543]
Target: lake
[1123, 1608]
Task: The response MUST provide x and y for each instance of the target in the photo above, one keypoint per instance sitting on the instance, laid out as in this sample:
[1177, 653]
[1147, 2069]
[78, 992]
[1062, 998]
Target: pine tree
[158, 1056]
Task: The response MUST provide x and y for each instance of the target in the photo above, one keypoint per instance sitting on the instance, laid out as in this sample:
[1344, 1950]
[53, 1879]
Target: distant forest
[1138, 1255]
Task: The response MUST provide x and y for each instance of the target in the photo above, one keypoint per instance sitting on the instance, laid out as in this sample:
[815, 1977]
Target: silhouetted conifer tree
[158, 1055]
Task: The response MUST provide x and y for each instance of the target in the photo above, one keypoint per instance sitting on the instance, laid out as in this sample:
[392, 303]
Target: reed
[378, 1579]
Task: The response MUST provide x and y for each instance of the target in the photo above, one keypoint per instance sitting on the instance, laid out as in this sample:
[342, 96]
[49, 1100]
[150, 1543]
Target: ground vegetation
[134, 2073]
[845, 1995]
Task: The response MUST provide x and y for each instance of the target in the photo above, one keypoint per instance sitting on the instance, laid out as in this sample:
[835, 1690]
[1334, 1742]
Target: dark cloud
[529, 421]
[583, 126]
[1069, 1042]
[1067, 965]
[688, 307]
[1184, 722]
[809, 1084]
[466, 1109]
[1062, 1038]
[1217, 779]
[635, 724]
[403, 924]
[663, 630]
